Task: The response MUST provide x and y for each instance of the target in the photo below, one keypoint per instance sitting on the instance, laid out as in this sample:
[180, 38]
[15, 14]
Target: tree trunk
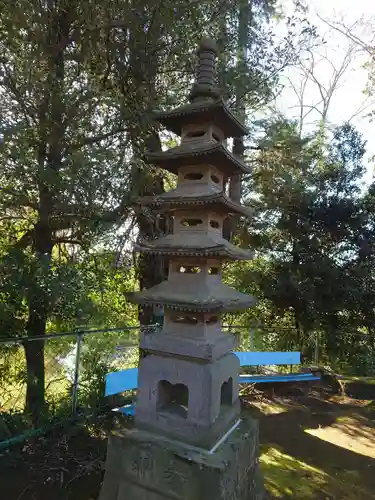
[152, 269]
[51, 131]
[299, 331]
[38, 306]
[35, 402]
[244, 19]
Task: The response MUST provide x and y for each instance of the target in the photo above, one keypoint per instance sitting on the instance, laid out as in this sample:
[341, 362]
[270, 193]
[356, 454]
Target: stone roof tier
[195, 245]
[196, 196]
[207, 297]
[202, 112]
[198, 153]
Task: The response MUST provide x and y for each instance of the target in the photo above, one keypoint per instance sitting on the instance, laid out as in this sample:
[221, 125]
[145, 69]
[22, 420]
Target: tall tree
[69, 76]
[78, 80]
[307, 219]
[64, 135]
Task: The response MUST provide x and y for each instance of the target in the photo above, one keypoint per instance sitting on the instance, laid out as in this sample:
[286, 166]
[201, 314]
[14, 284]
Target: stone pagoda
[188, 403]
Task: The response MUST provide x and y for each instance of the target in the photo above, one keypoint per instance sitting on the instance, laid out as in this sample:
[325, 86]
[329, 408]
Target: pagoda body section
[188, 380]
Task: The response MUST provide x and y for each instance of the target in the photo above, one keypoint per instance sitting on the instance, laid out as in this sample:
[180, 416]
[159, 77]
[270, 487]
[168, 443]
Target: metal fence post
[316, 354]
[76, 371]
[252, 333]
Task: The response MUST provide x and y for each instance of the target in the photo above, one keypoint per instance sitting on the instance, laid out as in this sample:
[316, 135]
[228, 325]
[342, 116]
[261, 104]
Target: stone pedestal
[188, 397]
[190, 401]
[145, 466]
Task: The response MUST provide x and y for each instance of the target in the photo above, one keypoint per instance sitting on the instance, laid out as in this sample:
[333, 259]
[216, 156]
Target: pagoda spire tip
[207, 44]
[205, 83]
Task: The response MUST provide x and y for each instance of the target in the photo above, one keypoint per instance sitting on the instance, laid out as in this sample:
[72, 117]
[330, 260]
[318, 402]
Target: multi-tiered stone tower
[188, 382]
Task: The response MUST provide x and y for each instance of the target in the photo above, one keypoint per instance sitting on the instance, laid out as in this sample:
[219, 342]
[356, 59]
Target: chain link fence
[76, 363]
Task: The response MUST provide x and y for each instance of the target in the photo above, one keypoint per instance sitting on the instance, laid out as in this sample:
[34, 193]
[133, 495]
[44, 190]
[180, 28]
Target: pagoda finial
[205, 84]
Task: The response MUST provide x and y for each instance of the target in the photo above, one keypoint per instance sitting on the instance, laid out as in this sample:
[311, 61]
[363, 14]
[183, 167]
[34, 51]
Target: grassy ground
[318, 446]
[366, 380]
[314, 445]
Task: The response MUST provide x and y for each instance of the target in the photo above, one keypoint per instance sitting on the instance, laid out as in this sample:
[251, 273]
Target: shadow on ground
[61, 466]
[316, 445]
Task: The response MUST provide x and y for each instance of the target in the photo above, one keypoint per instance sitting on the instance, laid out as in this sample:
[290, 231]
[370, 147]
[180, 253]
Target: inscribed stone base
[144, 466]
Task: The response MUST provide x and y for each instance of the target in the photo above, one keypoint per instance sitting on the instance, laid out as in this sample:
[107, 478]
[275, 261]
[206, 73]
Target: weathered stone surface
[201, 112]
[195, 245]
[204, 405]
[198, 193]
[207, 349]
[144, 466]
[193, 295]
[188, 378]
[199, 153]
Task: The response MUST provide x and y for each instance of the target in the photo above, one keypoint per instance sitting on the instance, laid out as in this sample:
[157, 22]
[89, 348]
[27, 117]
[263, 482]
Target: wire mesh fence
[76, 362]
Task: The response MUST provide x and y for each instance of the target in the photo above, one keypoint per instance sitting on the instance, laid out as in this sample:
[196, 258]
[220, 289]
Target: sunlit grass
[269, 408]
[286, 477]
[14, 395]
[351, 432]
[364, 380]
[13, 387]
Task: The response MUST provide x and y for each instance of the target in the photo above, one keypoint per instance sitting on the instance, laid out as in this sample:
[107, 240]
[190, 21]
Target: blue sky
[348, 98]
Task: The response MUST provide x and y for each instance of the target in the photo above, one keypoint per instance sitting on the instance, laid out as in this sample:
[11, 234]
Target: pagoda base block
[194, 402]
[195, 433]
[206, 349]
[142, 465]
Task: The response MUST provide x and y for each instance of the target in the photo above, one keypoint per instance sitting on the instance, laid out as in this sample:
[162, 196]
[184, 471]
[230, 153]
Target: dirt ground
[315, 444]
[318, 445]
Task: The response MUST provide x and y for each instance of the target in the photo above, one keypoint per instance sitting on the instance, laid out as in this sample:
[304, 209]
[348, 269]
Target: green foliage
[311, 228]
[78, 80]
[92, 383]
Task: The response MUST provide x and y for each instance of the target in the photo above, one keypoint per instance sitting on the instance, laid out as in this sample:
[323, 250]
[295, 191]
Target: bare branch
[364, 106]
[347, 32]
[326, 89]
[68, 241]
[19, 198]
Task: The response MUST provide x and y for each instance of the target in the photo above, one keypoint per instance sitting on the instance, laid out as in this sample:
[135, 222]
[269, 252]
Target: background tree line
[78, 83]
